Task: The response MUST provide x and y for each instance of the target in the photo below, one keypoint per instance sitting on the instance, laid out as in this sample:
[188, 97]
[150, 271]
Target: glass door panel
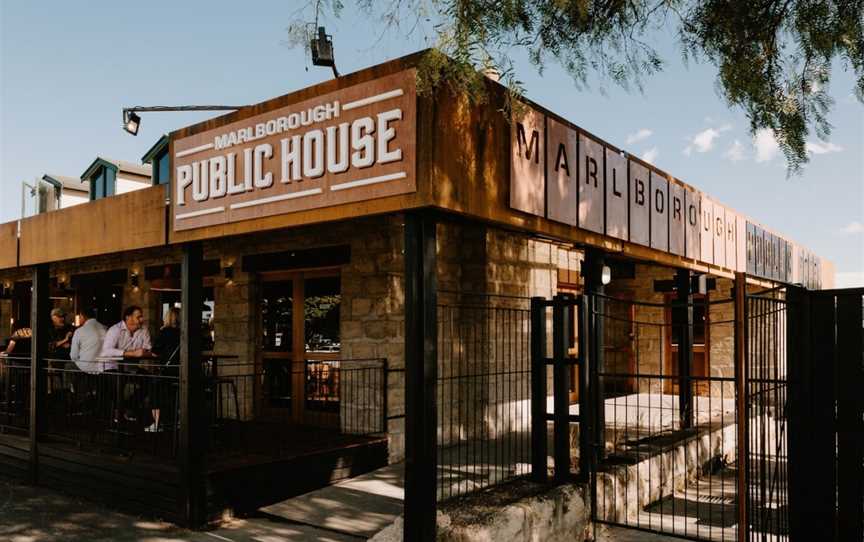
[277, 328]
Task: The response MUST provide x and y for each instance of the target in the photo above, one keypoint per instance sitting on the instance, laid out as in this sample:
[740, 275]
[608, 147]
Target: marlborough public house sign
[562, 173]
[350, 145]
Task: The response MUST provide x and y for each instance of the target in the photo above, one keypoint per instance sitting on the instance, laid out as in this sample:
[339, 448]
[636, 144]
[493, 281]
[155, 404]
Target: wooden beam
[421, 363]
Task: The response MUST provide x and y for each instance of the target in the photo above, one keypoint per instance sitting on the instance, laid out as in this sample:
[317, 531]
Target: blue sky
[68, 68]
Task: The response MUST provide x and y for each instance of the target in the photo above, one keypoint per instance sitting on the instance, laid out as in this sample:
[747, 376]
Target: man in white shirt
[127, 338]
[87, 342]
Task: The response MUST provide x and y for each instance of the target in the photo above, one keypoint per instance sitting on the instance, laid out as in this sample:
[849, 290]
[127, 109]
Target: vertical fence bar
[539, 450]
[561, 415]
[593, 271]
[421, 362]
[193, 423]
[586, 465]
[741, 352]
[40, 324]
[682, 319]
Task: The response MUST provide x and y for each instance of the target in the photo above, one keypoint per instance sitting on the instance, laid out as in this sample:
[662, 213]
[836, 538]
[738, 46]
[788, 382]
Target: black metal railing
[668, 436]
[110, 407]
[14, 394]
[484, 394]
[285, 407]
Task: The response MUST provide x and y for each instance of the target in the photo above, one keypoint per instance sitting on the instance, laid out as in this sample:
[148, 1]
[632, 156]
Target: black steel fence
[14, 394]
[110, 407]
[484, 393]
[666, 414]
[284, 407]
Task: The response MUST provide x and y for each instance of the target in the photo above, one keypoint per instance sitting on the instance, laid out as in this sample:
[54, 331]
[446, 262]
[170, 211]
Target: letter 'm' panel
[590, 184]
[527, 186]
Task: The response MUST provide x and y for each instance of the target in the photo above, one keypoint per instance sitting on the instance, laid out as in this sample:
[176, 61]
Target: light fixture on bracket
[132, 122]
[321, 47]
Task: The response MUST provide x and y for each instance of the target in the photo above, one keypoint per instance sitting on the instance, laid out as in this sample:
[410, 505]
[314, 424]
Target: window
[103, 183]
[161, 165]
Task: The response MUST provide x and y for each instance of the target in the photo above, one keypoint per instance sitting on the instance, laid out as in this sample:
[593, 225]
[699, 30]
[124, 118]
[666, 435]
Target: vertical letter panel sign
[751, 249]
[706, 235]
[639, 211]
[692, 234]
[759, 248]
[731, 249]
[741, 237]
[677, 219]
[616, 195]
[719, 235]
[527, 191]
[590, 184]
[353, 144]
[659, 212]
[561, 171]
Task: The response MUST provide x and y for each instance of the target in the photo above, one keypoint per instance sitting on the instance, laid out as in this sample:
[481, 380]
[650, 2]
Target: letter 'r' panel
[677, 219]
[590, 184]
[561, 166]
[346, 146]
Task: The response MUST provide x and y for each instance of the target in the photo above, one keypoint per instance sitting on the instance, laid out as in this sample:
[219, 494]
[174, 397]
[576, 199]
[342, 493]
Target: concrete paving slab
[360, 506]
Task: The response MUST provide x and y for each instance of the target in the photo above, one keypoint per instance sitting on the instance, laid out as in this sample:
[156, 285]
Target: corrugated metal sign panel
[677, 219]
[639, 204]
[590, 184]
[659, 212]
[616, 195]
[527, 190]
[561, 156]
[706, 233]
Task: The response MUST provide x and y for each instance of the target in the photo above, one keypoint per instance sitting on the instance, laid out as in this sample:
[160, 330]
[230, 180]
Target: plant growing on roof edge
[773, 57]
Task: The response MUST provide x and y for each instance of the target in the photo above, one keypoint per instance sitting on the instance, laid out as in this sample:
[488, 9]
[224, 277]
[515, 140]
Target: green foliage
[773, 58]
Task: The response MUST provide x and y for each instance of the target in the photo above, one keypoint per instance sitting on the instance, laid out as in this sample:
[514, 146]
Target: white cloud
[644, 133]
[852, 228]
[650, 155]
[822, 148]
[735, 152]
[704, 140]
[765, 144]
[849, 279]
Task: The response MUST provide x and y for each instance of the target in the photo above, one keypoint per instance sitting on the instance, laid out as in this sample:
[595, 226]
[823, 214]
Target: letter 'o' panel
[590, 184]
[639, 204]
[561, 166]
[616, 195]
[527, 191]
[677, 219]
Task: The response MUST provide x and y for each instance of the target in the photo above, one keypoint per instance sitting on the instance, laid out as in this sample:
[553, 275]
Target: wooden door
[701, 347]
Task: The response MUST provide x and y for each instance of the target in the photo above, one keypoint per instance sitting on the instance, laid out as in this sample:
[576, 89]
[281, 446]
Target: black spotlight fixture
[322, 50]
[131, 121]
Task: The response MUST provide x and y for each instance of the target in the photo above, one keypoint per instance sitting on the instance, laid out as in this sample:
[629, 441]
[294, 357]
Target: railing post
[40, 325]
[682, 319]
[741, 402]
[592, 271]
[193, 424]
[561, 403]
[800, 414]
[586, 425]
[421, 365]
[539, 451]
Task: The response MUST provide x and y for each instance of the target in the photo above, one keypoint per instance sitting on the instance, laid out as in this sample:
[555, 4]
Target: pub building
[354, 264]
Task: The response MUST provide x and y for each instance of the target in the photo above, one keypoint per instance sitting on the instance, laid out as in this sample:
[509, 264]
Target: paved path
[36, 514]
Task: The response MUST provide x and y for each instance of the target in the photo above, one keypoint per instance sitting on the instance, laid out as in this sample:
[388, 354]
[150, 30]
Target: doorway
[300, 345]
[701, 346]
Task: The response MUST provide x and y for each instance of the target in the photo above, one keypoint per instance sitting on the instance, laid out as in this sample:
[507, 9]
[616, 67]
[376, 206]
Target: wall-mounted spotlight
[606, 275]
[228, 272]
[133, 280]
[131, 121]
[322, 50]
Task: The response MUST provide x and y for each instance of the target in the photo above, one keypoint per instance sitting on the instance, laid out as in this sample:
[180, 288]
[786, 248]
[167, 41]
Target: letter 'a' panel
[527, 192]
[706, 230]
[616, 195]
[677, 219]
[590, 184]
[692, 233]
[659, 212]
[639, 204]
[561, 171]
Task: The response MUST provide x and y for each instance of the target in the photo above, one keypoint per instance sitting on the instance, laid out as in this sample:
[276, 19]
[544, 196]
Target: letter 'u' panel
[616, 195]
[561, 156]
[640, 226]
[590, 184]
[706, 230]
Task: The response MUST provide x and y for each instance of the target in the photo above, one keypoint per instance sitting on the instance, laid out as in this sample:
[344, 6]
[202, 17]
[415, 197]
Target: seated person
[87, 342]
[19, 343]
[61, 335]
[127, 338]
